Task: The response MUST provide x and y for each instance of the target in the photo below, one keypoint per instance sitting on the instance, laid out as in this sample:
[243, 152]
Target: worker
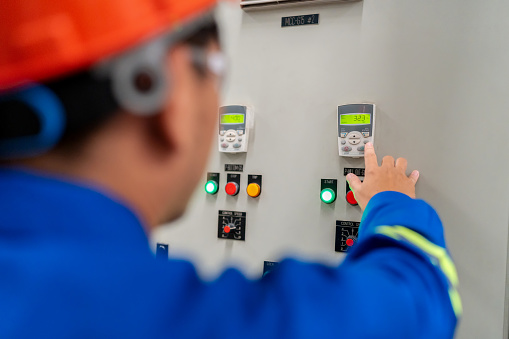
[107, 112]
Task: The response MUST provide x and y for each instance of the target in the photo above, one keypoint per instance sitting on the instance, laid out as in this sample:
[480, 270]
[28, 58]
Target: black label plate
[300, 20]
[162, 251]
[233, 168]
[254, 179]
[269, 266]
[360, 172]
[329, 183]
[213, 176]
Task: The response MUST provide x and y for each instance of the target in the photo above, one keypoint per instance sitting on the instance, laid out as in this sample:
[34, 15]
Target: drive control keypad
[232, 138]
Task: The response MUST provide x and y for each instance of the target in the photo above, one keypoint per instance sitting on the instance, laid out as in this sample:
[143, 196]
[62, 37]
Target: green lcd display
[356, 119]
[232, 119]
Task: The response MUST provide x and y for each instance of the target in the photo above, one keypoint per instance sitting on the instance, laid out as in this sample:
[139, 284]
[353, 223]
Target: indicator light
[328, 196]
[350, 198]
[211, 187]
[254, 190]
[232, 188]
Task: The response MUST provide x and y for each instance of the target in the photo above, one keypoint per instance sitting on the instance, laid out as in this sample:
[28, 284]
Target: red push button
[350, 242]
[227, 229]
[232, 188]
[350, 198]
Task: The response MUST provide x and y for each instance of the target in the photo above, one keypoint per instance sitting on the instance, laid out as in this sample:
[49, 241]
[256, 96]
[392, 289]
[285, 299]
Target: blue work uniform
[75, 262]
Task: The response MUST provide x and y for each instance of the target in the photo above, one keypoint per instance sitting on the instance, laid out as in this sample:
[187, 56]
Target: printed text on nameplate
[300, 20]
[233, 168]
[357, 171]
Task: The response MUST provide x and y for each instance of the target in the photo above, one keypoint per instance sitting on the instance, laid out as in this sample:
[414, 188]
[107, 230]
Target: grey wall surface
[438, 72]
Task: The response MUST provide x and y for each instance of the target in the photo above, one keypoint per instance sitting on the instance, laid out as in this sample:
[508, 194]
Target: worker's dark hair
[87, 100]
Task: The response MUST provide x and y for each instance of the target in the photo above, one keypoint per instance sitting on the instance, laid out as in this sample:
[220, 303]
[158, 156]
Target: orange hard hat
[42, 39]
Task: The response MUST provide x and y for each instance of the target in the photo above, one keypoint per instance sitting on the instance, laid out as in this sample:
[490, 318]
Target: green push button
[328, 196]
[211, 187]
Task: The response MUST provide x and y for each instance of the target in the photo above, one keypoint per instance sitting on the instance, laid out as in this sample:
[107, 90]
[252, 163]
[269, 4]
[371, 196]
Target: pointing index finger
[370, 156]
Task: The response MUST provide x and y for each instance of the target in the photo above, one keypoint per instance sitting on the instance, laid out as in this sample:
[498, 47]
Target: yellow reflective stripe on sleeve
[438, 256]
[456, 302]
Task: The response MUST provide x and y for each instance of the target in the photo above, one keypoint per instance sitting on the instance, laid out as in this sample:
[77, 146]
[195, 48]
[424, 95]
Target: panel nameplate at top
[300, 20]
[233, 168]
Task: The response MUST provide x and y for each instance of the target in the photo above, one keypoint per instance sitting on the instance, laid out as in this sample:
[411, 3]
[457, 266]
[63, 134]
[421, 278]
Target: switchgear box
[434, 75]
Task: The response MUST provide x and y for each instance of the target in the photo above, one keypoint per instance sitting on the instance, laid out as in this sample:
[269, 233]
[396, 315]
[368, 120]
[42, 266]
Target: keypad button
[360, 148]
[343, 142]
[366, 141]
[354, 135]
[365, 134]
[237, 146]
[240, 132]
[354, 141]
[346, 149]
[239, 139]
[224, 145]
[222, 139]
[231, 139]
[231, 134]
[222, 132]
[344, 134]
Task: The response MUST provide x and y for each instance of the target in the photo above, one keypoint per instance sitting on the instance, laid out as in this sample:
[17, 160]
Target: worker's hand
[391, 176]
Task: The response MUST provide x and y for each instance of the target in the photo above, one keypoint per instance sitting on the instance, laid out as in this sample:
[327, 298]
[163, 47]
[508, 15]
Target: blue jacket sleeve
[394, 284]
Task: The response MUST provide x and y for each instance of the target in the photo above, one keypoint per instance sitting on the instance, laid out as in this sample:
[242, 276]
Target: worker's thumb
[354, 182]
[414, 176]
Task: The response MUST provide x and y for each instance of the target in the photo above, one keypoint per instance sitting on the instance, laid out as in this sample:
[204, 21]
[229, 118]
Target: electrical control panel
[235, 123]
[356, 127]
[405, 91]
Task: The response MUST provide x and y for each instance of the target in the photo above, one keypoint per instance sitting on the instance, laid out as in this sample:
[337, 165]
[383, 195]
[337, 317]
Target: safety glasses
[209, 62]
